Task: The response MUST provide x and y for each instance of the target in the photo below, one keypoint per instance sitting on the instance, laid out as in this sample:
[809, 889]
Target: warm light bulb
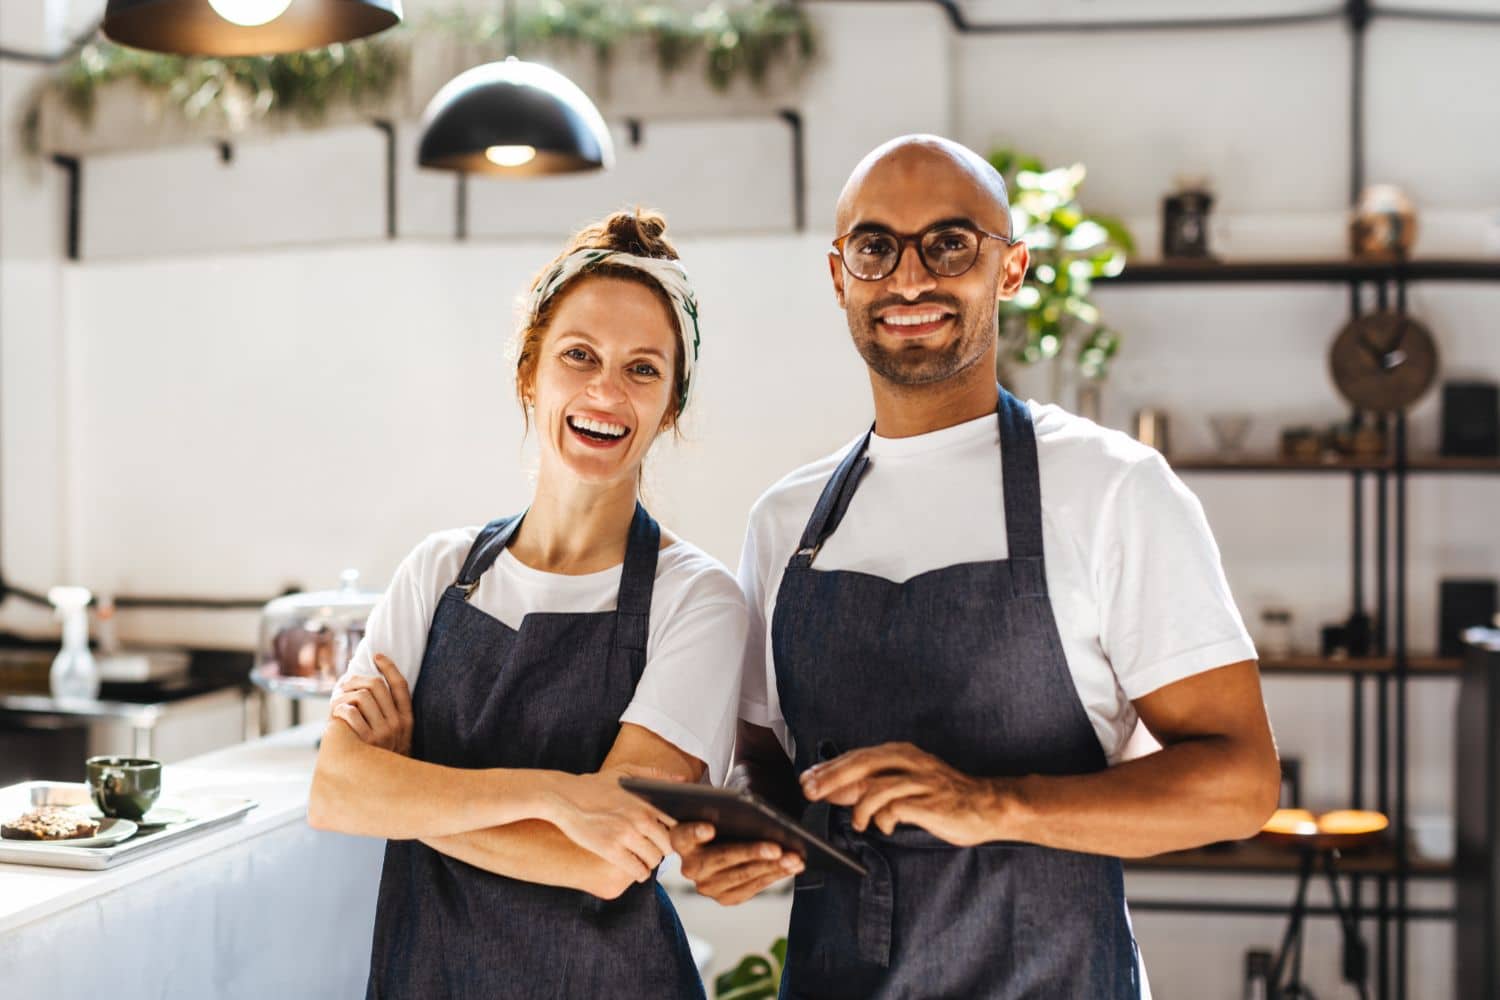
[249, 13]
[510, 156]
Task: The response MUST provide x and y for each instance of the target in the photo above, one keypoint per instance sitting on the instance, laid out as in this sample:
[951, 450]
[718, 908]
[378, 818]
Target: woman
[544, 657]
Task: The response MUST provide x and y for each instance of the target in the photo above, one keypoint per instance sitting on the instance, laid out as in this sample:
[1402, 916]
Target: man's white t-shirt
[1133, 573]
[687, 692]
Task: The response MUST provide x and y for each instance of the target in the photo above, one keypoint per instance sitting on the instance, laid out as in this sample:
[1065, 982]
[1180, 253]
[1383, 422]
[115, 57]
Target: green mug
[125, 787]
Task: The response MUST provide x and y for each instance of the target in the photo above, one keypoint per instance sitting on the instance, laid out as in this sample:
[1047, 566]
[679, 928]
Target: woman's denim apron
[965, 662]
[547, 695]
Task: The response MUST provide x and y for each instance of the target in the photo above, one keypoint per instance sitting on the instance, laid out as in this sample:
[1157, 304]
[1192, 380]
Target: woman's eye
[576, 354]
[645, 370]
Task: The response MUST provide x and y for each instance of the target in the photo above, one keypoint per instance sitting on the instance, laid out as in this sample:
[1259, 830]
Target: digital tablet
[739, 817]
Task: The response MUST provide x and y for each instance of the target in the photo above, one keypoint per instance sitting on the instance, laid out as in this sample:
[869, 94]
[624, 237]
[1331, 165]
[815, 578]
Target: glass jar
[1275, 640]
[306, 639]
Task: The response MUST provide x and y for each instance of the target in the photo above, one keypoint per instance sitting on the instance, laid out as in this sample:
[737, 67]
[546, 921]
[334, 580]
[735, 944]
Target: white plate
[111, 831]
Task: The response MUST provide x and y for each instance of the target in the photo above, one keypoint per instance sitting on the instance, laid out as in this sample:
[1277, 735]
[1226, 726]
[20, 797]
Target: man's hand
[378, 709]
[730, 873]
[899, 783]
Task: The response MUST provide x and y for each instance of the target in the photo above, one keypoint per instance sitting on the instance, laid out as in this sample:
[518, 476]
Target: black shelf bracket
[388, 129]
[73, 167]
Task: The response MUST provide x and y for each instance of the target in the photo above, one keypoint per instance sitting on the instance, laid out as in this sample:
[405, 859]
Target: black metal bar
[799, 168]
[1401, 673]
[226, 152]
[461, 207]
[390, 175]
[1382, 730]
[196, 603]
[1443, 16]
[1269, 909]
[960, 21]
[634, 129]
[1359, 18]
[74, 169]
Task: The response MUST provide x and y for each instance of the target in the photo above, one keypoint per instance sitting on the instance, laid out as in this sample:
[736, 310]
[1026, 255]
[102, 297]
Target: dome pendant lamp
[244, 27]
[514, 119]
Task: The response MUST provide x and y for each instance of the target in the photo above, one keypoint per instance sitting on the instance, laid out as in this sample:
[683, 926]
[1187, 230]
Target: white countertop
[275, 771]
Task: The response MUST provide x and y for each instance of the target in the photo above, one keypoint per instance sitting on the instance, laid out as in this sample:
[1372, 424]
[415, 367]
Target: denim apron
[547, 695]
[965, 662]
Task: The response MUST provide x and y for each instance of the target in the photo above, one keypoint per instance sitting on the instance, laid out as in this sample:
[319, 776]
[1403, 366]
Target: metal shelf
[1421, 465]
[1305, 271]
[1254, 857]
[1418, 666]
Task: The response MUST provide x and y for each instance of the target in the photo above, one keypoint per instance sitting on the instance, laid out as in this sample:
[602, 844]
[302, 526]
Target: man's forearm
[534, 851]
[1191, 793]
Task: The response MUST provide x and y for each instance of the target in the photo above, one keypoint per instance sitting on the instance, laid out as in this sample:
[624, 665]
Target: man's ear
[1013, 271]
[836, 272]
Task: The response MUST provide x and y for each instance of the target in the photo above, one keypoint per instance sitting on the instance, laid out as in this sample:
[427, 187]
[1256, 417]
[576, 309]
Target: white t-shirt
[1133, 573]
[687, 692]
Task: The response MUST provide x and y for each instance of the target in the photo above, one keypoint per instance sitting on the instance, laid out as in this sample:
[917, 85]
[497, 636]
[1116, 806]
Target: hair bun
[640, 233]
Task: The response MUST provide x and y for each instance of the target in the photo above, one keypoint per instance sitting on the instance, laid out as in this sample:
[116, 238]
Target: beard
[920, 364]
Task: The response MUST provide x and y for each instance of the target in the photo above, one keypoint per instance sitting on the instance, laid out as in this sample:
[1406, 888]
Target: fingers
[737, 884]
[687, 838]
[400, 693]
[659, 837]
[709, 862]
[381, 692]
[880, 793]
[348, 713]
[823, 781]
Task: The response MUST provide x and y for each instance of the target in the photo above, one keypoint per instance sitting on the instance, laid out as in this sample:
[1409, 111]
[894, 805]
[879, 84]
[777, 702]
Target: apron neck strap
[1020, 479]
[488, 545]
[834, 501]
[637, 581]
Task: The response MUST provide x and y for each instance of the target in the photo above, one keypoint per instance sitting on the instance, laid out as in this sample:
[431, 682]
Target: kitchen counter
[265, 906]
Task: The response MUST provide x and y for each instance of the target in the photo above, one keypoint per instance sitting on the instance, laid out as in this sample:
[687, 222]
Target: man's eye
[874, 246]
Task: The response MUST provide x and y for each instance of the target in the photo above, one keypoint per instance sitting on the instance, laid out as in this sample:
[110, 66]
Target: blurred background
[247, 343]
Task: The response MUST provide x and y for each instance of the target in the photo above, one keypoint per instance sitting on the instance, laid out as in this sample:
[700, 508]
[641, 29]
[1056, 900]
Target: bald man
[957, 622]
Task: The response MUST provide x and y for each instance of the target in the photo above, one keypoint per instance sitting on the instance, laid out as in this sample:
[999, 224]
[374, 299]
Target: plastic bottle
[74, 673]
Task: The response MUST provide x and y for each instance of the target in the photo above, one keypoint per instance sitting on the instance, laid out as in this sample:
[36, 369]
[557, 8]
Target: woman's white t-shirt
[1133, 573]
[688, 691]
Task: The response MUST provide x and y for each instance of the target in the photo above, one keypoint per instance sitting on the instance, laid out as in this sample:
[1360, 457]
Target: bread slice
[49, 823]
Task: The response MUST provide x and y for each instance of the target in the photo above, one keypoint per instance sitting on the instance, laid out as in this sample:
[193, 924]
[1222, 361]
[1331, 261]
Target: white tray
[207, 812]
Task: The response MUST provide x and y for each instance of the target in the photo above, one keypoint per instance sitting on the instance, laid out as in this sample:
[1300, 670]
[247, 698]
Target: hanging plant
[226, 94]
[1069, 249]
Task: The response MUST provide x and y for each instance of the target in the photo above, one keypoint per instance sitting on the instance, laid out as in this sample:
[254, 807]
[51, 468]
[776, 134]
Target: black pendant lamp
[514, 119]
[244, 27]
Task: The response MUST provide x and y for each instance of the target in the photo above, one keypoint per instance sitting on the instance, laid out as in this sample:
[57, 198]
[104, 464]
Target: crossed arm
[575, 831]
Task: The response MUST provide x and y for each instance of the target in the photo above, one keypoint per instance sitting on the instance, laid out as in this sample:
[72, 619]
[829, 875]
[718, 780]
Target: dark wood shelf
[1255, 857]
[1312, 271]
[1422, 464]
[1434, 666]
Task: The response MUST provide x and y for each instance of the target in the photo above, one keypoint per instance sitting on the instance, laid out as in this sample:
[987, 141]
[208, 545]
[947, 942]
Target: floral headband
[668, 274]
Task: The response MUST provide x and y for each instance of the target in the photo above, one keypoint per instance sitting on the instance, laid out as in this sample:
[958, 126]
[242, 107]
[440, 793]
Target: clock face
[1383, 361]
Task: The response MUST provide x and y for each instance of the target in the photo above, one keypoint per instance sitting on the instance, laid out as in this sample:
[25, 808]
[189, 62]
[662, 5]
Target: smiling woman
[512, 673]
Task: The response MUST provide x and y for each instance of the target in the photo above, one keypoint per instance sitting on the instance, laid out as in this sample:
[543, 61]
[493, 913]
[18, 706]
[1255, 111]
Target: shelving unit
[1385, 674]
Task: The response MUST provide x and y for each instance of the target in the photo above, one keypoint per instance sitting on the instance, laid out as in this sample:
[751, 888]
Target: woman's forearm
[364, 790]
[534, 851]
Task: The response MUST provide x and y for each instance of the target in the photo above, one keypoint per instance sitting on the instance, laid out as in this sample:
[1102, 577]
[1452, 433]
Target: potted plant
[1052, 318]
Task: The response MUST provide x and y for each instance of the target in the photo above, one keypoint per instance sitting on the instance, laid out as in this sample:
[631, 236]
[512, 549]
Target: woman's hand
[600, 816]
[378, 709]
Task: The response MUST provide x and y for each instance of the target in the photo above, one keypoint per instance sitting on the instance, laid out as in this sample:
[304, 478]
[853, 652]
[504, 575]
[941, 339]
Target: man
[955, 625]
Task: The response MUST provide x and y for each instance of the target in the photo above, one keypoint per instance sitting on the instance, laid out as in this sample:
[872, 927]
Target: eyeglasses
[946, 249]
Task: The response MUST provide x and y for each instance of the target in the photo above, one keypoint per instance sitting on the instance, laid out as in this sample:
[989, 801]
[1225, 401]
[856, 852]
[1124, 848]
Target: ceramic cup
[125, 787]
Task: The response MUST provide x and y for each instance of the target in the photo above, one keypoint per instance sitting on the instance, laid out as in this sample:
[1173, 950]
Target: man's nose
[911, 277]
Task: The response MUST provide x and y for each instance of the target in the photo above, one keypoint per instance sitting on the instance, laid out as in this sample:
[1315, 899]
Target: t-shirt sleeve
[1166, 612]
[757, 702]
[687, 693]
[397, 625]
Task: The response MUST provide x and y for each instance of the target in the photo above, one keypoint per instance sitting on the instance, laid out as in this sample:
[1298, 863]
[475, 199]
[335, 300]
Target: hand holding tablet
[740, 817]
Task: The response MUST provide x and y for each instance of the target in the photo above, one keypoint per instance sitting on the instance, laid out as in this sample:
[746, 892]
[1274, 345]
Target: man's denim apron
[966, 663]
[547, 695]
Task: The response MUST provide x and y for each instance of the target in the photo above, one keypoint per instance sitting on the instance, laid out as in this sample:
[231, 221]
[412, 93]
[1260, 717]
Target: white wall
[244, 385]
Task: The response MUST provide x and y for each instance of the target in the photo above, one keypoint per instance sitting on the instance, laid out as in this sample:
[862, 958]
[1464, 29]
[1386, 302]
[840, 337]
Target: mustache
[948, 302]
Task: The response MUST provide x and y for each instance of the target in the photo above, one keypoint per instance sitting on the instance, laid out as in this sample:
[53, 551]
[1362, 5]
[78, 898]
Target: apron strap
[488, 545]
[637, 581]
[834, 501]
[1022, 488]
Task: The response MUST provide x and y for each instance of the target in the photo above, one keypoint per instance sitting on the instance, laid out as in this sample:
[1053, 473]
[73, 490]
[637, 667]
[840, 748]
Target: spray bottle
[74, 673]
